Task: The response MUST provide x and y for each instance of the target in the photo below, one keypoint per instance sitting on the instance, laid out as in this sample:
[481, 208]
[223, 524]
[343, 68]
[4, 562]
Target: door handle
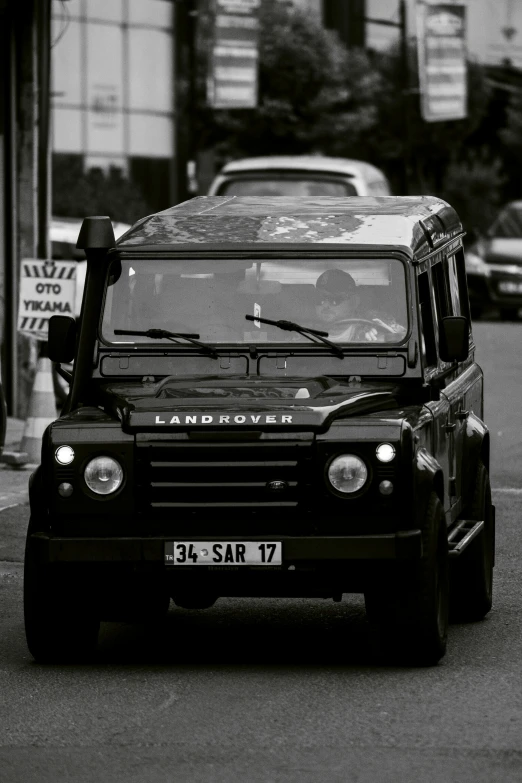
[449, 427]
[462, 415]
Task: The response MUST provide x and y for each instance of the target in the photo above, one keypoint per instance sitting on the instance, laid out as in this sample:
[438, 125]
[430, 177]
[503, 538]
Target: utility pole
[401, 25]
[25, 38]
[185, 91]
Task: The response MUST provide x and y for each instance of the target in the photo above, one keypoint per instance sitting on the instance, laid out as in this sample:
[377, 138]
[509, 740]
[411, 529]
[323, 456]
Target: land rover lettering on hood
[270, 397]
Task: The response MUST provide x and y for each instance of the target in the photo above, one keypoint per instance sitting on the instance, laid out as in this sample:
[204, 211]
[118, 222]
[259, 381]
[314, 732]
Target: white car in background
[299, 175]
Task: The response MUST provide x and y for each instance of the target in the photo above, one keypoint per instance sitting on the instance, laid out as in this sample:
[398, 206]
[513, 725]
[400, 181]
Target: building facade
[113, 90]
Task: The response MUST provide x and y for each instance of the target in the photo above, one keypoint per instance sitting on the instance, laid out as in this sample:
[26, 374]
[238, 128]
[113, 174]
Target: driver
[337, 307]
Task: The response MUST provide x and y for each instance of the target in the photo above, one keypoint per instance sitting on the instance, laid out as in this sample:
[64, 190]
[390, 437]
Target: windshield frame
[275, 252]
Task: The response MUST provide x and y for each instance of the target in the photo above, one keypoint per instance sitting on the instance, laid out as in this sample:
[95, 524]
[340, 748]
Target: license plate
[510, 287]
[219, 553]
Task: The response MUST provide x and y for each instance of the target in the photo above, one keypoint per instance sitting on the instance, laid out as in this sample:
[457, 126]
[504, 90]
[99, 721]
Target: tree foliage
[474, 188]
[93, 192]
[317, 96]
[314, 95]
[401, 135]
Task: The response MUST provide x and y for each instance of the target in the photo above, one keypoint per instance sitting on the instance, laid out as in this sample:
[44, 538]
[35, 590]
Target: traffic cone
[42, 410]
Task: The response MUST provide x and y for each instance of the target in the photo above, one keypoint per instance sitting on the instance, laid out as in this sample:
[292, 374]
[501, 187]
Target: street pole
[401, 25]
[185, 91]
[10, 363]
[43, 46]
[407, 96]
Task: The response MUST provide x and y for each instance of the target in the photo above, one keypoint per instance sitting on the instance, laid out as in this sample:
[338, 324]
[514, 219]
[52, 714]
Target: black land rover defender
[269, 397]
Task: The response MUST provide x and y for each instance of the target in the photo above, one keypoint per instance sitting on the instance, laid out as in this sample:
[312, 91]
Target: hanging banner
[233, 68]
[441, 35]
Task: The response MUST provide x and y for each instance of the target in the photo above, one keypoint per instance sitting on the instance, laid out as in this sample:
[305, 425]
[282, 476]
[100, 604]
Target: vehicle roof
[303, 162]
[417, 224]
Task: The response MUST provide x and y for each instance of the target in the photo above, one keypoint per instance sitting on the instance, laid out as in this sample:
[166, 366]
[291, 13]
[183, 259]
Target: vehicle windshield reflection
[353, 300]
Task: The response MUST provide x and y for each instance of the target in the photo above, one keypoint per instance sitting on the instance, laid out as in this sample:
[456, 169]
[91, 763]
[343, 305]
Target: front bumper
[403, 545]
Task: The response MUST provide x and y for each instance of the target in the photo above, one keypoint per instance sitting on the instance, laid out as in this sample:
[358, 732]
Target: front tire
[409, 617]
[471, 574]
[61, 624]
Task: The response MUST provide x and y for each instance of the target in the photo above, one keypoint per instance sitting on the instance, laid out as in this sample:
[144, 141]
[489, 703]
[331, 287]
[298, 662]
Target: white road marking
[172, 698]
[508, 490]
[3, 508]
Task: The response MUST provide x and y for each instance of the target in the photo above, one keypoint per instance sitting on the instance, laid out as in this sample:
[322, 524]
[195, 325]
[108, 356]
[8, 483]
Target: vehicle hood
[244, 403]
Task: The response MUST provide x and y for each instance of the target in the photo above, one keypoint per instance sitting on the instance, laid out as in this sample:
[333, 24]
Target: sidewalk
[14, 480]
[14, 432]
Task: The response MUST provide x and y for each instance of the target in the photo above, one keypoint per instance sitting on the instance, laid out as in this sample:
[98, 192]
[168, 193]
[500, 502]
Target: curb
[12, 455]
[16, 459]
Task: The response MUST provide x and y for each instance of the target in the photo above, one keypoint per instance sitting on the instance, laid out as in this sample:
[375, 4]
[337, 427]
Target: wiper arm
[173, 336]
[290, 326]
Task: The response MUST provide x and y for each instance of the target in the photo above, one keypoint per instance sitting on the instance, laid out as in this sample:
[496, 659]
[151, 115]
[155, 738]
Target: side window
[441, 287]
[454, 287]
[450, 288]
[451, 293]
[428, 345]
[460, 273]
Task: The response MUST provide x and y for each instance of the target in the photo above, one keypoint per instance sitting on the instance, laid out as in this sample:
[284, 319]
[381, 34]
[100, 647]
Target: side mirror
[454, 339]
[61, 343]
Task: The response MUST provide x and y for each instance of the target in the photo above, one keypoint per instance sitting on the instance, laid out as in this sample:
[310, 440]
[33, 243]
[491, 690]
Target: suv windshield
[351, 300]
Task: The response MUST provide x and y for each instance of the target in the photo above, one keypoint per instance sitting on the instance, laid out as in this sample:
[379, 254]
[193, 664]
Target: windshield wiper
[290, 326]
[173, 336]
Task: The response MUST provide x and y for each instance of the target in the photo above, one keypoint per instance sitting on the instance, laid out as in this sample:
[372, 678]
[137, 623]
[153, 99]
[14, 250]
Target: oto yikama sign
[46, 288]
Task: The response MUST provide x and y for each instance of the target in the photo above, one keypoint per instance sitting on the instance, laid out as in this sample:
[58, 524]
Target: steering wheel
[361, 321]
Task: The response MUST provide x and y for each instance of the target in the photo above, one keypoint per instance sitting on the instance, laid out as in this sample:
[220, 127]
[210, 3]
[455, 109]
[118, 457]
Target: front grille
[198, 476]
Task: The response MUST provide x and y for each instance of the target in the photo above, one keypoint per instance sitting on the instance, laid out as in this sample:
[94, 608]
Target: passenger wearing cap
[337, 307]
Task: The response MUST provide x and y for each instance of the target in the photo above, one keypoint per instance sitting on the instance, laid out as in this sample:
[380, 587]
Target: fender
[427, 477]
[37, 502]
[38, 495]
[476, 447]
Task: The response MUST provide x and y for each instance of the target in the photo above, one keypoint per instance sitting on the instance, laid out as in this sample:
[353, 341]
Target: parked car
[299, 175]
[271, 397]
[494, 265]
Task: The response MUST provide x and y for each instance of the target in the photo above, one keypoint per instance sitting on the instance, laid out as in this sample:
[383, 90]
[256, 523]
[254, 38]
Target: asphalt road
[279, 690]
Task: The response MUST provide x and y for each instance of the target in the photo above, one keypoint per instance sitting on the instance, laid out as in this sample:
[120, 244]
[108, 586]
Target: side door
[463, 383]
[439, 407]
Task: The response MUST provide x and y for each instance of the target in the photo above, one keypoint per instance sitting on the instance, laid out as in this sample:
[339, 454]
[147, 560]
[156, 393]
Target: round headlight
[385, 452]
[64, 455]
[103, 475]
[347, 473]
